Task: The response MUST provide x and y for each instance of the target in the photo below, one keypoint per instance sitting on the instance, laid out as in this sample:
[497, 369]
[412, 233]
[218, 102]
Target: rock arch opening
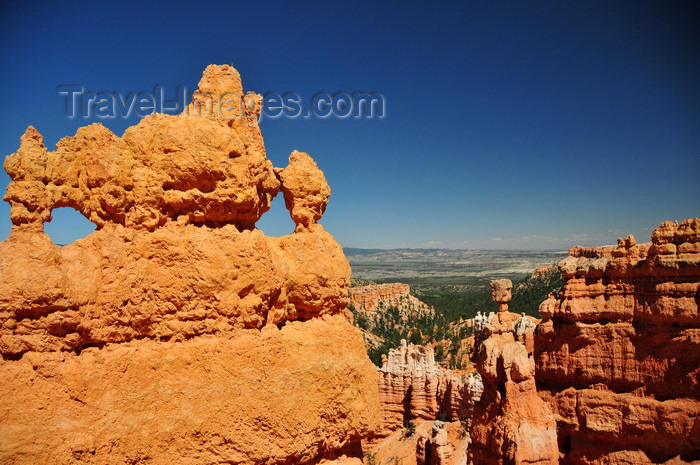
[276, 222]
[67, 225]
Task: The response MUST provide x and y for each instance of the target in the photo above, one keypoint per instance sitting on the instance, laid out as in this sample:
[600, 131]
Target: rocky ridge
[368, 298]
[426, 409]
[387, 313]
[618, 350]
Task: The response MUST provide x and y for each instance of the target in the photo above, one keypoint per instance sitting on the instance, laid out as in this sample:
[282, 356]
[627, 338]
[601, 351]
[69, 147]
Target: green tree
[439, 353]
[415, 338]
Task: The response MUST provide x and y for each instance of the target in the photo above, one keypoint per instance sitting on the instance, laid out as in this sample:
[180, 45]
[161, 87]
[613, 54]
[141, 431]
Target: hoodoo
[511, 423]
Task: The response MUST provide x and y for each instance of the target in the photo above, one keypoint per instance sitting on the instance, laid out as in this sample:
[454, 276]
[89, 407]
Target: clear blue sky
[508, 124]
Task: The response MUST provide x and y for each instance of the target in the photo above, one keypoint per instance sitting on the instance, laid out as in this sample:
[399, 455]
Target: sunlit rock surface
[177, 332]
[412, 387]
[618, 351]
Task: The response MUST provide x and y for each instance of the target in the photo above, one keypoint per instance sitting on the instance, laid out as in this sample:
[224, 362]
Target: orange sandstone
[618, 350]
[412, 387]
[177, 332]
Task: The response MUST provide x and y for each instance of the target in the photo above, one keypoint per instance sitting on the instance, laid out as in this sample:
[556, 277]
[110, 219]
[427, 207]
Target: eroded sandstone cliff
[426, 409]
[177, 332]
[618, 351]
[412, 387]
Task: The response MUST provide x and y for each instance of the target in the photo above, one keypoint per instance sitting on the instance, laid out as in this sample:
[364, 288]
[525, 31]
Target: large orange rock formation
[177, 332]
[618, 351]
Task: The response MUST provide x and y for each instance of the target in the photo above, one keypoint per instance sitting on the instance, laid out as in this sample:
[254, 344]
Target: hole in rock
[565, 445]
[276, 222]
[67, 226]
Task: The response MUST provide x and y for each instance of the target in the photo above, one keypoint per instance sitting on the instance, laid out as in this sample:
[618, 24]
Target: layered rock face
[368, 298]
[437, 402]
[511, 424]
[618, 351]
[177, 332]
[412, 387]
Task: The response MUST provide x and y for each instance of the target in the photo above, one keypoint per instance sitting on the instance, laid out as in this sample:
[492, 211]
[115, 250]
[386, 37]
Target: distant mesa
[368, 298]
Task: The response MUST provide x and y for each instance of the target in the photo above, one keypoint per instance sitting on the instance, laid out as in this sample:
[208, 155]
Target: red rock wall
[618, 351]
[367, 298]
